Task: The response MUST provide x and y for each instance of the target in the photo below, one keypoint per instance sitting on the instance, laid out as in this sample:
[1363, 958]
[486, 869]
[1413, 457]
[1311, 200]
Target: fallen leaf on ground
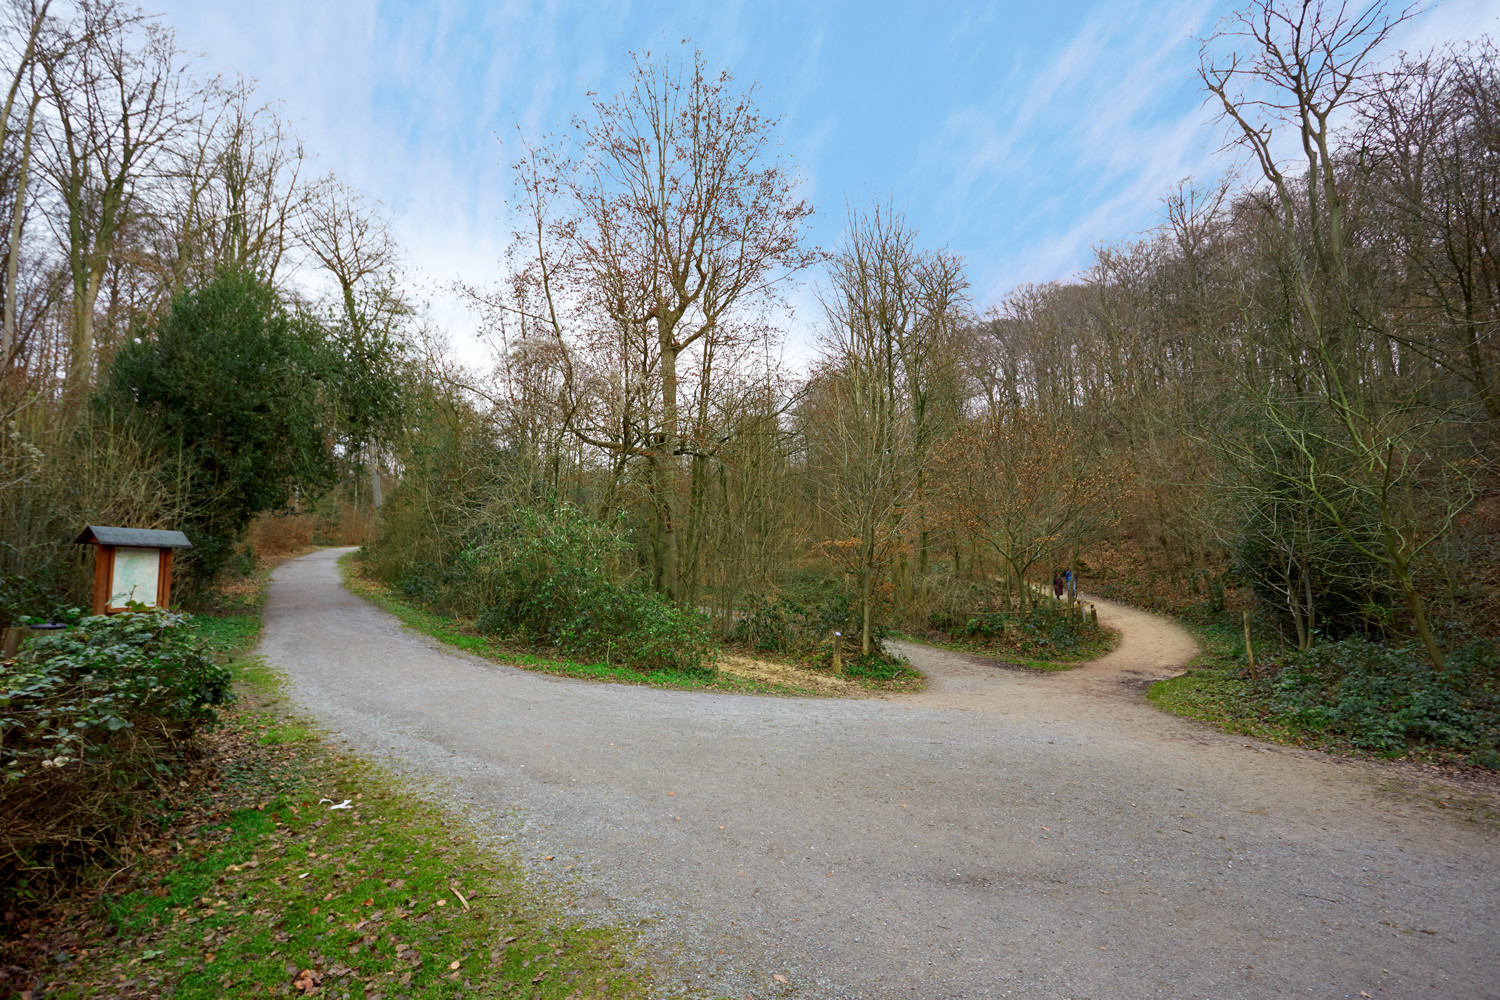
[778, 977]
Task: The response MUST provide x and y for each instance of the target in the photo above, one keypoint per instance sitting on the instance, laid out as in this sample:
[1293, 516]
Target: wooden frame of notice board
[131, 566]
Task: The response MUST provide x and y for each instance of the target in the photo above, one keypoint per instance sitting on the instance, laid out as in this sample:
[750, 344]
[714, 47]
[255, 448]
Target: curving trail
[1001, 834]
[1151, 648]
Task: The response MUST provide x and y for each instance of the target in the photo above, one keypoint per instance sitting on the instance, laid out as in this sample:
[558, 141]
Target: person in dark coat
[1057, 585]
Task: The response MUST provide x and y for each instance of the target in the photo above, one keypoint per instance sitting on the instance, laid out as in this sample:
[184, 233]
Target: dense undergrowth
[1046, 632]
[468, 636]
[96, 722]
[547, 576]
[1351, 696]
[557, 588]
[804, 624]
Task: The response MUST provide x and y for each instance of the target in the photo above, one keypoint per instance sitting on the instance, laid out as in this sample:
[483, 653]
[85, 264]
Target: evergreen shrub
[550, 575]
[95, 723]
[1390, 700]
[1044, 630]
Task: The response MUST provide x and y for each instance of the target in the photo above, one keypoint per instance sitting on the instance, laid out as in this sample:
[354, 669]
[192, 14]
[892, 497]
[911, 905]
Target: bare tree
[238, 197]
[890, 364]
[1304, 65]
[1431, 133]
[1021, 484]
[116, 103]
[353, 243]
[29, 21]
[654, 246]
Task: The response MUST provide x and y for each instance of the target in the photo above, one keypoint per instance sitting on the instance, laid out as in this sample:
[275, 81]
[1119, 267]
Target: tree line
[1282, 394]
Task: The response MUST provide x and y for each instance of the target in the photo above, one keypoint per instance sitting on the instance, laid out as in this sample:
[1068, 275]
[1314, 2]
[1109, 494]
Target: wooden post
[13, 641]
[164, 580]
[1249, 651]
[838, 661]
[104, 568]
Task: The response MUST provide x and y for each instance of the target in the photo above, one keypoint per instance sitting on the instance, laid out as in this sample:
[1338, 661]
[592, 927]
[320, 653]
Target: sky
[1019, 134]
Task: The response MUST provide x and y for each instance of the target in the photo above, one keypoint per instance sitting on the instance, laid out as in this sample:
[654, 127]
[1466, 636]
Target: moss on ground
[276, 892]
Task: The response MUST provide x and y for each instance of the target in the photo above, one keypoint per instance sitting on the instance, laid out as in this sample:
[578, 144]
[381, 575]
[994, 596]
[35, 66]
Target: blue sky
[1017, 134]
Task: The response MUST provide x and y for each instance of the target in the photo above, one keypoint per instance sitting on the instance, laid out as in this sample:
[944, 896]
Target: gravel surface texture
[1001, 834]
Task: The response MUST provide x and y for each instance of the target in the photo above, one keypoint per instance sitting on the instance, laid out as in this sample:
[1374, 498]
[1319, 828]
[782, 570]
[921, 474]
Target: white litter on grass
[346, 804]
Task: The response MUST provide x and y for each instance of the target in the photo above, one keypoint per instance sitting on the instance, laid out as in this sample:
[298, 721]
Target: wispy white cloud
[1019, 136]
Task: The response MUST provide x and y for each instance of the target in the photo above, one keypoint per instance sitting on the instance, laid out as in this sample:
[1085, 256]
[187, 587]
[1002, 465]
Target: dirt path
[1150, 649]
[1002, 834]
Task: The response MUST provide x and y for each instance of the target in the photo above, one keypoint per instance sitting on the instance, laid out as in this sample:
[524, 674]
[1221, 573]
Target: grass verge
[278, 894]
[1077, 657]
[259, 886]
[463, 635]
[1002, 658]
[1217, 689]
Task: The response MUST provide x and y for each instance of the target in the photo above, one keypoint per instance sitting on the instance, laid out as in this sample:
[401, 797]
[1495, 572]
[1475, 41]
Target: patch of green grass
[278, 734]
[384, 897]
[464, 636]
[227, 635]
[1217, 689]
[253, 676]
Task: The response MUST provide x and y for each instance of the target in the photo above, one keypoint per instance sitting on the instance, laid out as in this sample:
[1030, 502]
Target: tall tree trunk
[81, 340]
[664, 461]
[1401, 569]
[866, 586]
[13, 261]
[377, 496]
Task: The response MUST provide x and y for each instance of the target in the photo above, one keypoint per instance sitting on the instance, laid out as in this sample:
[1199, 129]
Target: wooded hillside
[1280, 399]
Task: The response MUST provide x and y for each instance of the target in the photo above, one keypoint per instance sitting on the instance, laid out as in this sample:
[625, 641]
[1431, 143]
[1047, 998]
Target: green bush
[1389, 699]
[93, 721]
[804, 630]
[1044, 630]
[779, 624]
[627, 625]
[549, 575]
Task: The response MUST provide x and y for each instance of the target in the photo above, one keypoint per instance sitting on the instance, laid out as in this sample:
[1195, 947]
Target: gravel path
[1001, 834]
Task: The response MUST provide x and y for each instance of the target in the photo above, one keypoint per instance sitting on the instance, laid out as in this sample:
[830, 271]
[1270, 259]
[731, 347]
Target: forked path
[1002, 834]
